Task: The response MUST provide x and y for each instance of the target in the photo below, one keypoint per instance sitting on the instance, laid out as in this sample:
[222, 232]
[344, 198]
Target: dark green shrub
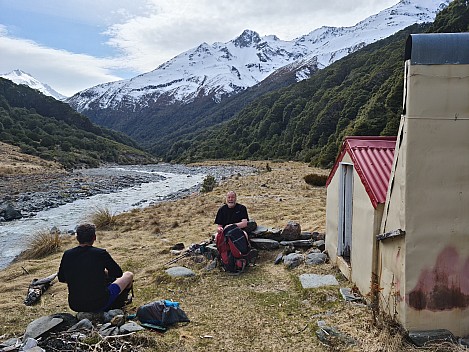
[209, 184]
[315, 180]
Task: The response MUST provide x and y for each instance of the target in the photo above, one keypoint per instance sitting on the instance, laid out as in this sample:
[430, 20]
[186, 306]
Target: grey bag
[163, 313]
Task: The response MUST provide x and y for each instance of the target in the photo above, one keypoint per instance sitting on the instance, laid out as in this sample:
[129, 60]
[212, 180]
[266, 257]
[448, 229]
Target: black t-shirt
[82, 268]
[226, 215]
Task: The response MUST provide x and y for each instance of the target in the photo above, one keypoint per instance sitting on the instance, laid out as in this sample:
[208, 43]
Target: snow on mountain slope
[223, 69]
[21, 77]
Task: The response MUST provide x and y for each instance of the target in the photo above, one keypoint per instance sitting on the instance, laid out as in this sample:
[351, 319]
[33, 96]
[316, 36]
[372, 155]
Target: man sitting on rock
[88, 271]
[231, 213]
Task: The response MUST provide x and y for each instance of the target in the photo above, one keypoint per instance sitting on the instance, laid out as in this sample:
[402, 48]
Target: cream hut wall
[424, 271]
[414, 245]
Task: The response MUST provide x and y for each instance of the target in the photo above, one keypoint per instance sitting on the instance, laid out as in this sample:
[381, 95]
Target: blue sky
[75, 44]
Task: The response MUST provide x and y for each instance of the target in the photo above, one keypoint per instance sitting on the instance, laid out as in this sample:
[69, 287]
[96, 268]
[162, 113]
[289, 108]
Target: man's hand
[242, 224]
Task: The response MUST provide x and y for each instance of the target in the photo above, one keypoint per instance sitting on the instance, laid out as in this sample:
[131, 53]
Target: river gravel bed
[33, 193]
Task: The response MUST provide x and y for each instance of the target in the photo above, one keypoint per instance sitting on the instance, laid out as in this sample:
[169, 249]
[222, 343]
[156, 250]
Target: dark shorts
[114, 291]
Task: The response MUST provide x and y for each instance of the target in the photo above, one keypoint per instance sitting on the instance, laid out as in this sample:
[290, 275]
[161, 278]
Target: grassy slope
[264, 309]
[13, 162]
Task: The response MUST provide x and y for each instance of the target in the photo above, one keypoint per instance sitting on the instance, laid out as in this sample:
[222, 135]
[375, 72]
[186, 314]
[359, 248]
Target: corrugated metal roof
[437, 49]
[372, 158]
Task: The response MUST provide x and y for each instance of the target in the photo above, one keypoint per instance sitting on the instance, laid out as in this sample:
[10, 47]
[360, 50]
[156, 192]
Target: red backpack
[234, 248]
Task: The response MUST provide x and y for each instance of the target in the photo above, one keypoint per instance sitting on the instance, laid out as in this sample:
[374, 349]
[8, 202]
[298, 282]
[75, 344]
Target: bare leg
[125, 281]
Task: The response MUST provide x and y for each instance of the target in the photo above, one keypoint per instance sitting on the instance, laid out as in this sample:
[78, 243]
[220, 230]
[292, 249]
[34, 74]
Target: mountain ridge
[20, 77]
[194, 87]
[223, 69]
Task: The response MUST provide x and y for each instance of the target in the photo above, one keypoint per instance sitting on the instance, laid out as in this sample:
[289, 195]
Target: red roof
[372, 158]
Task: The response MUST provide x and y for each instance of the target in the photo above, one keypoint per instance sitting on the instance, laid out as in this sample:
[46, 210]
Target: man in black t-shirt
[231, 213]
[88, 271]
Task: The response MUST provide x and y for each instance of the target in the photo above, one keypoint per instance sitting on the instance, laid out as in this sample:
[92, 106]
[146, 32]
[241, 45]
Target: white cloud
[64, 71]
[179, 25]
[147, 33]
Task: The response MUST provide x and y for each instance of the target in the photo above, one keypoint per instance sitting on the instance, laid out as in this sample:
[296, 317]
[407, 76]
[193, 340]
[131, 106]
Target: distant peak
[247, 38]
[19, 72]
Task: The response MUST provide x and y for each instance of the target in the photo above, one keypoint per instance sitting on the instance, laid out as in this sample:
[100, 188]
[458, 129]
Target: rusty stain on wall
[443, 287]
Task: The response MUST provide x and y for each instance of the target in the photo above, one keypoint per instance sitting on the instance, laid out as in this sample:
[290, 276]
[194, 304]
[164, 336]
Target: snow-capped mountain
[223, 69]
[21, 77]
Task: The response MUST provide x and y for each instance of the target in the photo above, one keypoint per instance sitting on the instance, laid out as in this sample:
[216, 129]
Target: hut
[419, 257]
[356, 193]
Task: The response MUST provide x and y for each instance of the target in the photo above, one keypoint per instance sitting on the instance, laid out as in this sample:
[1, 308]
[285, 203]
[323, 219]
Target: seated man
[88, 270]
[231, 213]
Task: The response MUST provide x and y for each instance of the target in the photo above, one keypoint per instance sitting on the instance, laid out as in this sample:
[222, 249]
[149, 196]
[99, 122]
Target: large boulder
[264, 243]
[10, 213]
[267, 233]
[291, 232]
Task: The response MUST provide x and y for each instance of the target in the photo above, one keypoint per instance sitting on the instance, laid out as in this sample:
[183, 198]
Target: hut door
[344, 246]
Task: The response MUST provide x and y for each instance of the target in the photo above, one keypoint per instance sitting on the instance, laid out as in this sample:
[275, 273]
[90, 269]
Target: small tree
[209, 184]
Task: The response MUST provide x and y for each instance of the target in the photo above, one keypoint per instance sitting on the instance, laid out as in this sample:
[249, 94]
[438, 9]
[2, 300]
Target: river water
[15, 235]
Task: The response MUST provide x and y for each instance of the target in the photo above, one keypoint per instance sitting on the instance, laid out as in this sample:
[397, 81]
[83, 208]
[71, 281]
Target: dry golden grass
[103, 219]
[13, 162]
[42, 245]
[264, 309]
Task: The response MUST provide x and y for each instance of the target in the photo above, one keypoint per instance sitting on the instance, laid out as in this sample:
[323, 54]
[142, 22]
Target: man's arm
[244, 217]
[61, 273]
[242, 224]
[113, 269]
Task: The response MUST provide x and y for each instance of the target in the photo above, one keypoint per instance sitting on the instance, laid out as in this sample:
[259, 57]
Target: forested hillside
[358, 95]
[50, 129]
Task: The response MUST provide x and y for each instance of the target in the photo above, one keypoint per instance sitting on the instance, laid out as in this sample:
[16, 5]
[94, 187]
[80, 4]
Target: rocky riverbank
[26, 194]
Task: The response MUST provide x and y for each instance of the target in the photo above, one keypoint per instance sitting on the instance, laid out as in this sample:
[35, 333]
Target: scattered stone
[288, 249]
[130, 327]
[297, 243]
[108, 330]
[332, 337]
[259, 230]
[93, 317]
[321, 245]
[349, 296]
[54, 230]
[10, 213]
[40, 326]
[421, 337]
[109, 315]
[30, 345]
[82, 325]
[10, 344]
[316, 258]
[278, 259]
[179, 271]
[118, 320]
[315, 281]
[306, 236]
[293, 260]
[264, 243]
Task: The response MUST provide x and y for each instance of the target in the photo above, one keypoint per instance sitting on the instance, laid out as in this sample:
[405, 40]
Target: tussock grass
[103, 219]
[42, 245]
